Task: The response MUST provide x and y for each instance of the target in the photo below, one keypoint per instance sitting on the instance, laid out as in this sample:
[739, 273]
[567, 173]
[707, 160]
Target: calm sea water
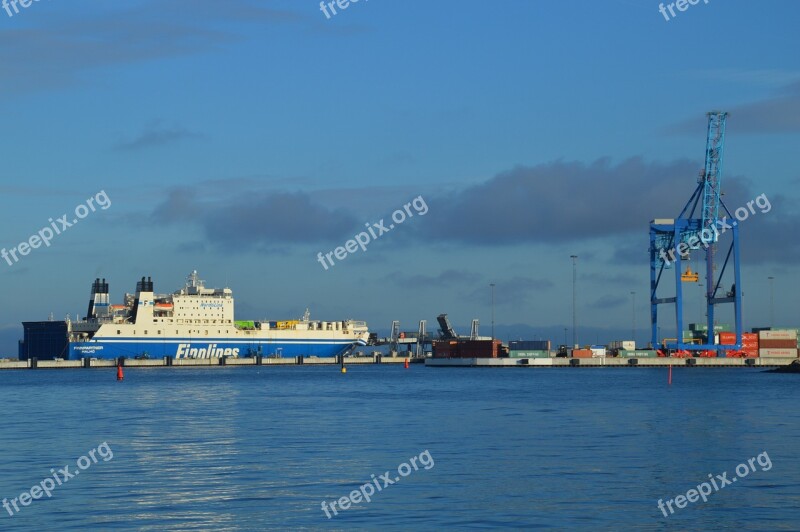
[261, 448]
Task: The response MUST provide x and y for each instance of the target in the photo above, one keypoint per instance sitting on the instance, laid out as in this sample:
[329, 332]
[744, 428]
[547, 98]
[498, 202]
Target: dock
[552, 362]
[606, 362]
[199, 362]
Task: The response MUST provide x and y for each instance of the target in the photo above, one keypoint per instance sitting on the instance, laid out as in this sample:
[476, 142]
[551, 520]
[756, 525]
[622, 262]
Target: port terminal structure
[672, 242]
[420, 344]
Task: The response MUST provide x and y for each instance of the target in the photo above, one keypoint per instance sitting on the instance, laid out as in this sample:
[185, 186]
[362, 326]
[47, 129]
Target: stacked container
[598, 351]
[777, 343]
[628, 345]
[466, 348]
[749, 342]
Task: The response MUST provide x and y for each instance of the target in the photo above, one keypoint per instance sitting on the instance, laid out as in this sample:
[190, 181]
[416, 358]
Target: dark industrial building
[44, 340]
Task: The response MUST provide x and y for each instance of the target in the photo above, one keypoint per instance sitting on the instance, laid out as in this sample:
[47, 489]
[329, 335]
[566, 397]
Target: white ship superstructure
[198, 322]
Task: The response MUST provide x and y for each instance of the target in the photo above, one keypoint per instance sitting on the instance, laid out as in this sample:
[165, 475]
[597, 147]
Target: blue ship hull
[192, 348]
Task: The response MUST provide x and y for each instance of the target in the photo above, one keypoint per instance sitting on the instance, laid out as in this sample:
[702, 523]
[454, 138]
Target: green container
[528, 354]
[639, 353]
[702, 328]
[245, 324]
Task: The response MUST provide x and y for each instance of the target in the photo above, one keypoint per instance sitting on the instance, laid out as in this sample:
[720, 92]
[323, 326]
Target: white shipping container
[628, 345]
[598, 352]
[787, 353]
[778, 335]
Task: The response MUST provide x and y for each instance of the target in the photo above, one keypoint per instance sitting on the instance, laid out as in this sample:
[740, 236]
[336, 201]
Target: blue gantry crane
[672, 241]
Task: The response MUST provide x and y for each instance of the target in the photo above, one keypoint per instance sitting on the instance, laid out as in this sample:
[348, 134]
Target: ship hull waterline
[214, 348]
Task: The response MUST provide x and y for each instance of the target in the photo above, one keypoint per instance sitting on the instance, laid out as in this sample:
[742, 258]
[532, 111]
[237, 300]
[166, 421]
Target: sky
[247, 139]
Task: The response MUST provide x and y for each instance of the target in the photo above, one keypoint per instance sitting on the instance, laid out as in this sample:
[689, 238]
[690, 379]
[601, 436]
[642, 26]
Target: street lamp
[565, 336]
[771, 301]
[492, 285]
[574, 298]
[633, 316]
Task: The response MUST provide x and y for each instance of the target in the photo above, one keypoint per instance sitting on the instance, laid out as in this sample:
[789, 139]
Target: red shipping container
[581, 353]
[729, 338]
[777, 344]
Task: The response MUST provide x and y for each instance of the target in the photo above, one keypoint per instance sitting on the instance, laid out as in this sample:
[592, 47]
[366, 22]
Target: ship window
[119, 332]
[158, 332]
[145, 332]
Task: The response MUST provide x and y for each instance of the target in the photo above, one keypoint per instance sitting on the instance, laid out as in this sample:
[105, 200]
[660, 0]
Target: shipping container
[702, 328]
[777, 344]
[531, 345]
[788, 353]
[638, 353]
[581, 353]
[775, 334]
[598, 352]
[528, 354]
[466, 348]
[797, 332]
[729, 338]
[623, 344]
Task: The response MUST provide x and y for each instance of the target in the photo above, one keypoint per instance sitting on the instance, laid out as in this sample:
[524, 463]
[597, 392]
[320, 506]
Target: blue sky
[241, 138]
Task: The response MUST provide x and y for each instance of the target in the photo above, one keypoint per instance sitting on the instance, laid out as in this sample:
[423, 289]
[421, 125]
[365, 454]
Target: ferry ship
[193, 322]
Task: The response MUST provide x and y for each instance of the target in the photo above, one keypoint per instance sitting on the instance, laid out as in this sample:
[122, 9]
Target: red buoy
[669, 375]
[406, 364]
[120, 376]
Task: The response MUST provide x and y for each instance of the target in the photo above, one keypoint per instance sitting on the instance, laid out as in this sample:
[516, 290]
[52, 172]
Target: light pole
[771, 301]
[633, 316]
[492, 285]
[574, 298]
[565, 337]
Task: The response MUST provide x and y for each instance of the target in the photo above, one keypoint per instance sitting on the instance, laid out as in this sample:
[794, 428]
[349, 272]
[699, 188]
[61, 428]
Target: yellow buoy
[344, 370]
